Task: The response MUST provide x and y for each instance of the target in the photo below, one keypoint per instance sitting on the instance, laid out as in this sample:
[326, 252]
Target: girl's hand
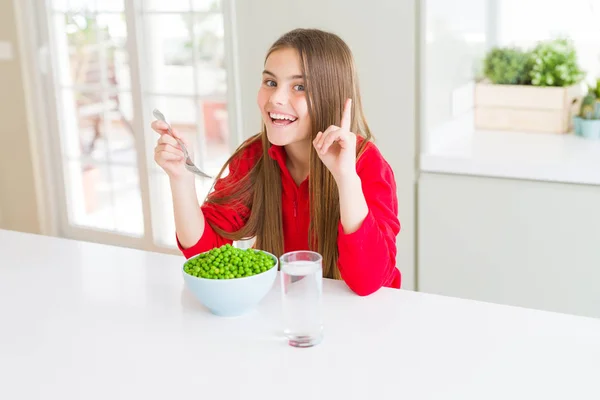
[336, 147]
[167, 153]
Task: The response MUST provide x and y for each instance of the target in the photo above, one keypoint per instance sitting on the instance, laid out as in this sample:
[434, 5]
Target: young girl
[311, 179]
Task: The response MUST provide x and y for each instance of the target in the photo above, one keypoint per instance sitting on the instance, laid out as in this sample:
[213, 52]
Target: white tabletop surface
[87, 321]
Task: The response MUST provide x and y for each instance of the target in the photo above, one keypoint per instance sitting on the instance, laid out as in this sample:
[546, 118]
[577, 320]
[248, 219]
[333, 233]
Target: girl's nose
[280, 96]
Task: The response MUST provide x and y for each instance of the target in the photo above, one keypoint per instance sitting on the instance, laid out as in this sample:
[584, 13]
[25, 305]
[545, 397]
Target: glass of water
[301, 290]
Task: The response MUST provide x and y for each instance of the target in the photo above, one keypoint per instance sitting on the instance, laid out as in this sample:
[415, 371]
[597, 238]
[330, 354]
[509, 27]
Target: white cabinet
[517, 242]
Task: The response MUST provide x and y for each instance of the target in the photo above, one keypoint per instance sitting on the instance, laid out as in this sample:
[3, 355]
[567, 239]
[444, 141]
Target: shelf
[457, 148]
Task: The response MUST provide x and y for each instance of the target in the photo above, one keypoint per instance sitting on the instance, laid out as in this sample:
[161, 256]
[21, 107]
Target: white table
[87, 321]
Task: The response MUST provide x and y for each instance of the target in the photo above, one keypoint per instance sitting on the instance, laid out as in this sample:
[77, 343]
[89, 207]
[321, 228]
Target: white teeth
[281, 116]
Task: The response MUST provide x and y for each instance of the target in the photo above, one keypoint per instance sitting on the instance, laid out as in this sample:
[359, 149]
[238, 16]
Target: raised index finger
[347, 115]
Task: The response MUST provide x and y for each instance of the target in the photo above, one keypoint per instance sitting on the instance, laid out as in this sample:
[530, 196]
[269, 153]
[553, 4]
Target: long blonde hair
[330, 78]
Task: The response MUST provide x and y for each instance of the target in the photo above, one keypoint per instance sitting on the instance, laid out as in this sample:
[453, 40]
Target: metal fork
[189, 164]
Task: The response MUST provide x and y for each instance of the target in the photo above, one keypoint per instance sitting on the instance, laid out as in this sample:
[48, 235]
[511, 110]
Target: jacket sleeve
[230, 217]
[367, 257]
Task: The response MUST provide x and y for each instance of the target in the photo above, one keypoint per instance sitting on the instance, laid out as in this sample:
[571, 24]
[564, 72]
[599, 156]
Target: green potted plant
[529, 90]
[587, 123]
[508, 66]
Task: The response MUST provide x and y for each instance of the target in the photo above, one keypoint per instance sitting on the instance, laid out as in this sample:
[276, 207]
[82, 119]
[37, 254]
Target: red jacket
[367, 257]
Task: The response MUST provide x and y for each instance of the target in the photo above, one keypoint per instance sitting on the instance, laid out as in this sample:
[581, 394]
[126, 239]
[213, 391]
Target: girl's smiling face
[282, 99]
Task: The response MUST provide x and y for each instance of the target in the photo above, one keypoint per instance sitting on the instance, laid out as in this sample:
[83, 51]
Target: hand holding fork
[171, 151]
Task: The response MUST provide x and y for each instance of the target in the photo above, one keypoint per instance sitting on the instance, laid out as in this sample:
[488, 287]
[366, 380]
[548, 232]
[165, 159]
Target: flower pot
[526, 108]
[587, 128]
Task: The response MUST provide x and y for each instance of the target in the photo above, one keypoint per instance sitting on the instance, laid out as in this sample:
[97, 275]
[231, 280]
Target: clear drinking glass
[301, 293]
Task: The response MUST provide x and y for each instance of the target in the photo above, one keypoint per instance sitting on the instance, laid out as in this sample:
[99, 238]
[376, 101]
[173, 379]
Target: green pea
[228, 262]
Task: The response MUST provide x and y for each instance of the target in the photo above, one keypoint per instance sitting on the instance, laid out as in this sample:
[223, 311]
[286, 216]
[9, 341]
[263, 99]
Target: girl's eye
[299, 88]
[270, 83]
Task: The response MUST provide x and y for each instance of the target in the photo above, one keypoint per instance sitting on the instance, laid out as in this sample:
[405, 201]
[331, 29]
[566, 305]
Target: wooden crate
[526, 108]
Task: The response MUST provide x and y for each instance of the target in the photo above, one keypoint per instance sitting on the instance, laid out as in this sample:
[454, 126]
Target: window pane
[91, 50]
[97, 126]
[210, 55]
[59, 5]
[163, 223]
[456, 35]
[119, 130]
[216, 132]
[75, 5]
[104, 197]
[111, 5]
[168, 54]
[89, 195]
[77, 50]
[577, 21]
[81, 125]
[79, 5]
[112, 34]
[168, 6]
[127, 200]
[206, 5]
[181, 5]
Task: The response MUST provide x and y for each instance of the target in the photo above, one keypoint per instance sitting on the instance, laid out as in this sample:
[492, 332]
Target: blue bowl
[232, 297]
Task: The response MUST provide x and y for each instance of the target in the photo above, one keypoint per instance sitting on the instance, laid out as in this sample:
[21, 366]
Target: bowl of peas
[230, 281]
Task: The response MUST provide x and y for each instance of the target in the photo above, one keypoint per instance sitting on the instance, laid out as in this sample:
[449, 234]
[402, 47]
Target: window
[457, 34]
[111, 63]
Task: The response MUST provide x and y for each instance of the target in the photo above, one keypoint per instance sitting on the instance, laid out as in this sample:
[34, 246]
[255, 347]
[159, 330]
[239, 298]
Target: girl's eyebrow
[265, 72]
